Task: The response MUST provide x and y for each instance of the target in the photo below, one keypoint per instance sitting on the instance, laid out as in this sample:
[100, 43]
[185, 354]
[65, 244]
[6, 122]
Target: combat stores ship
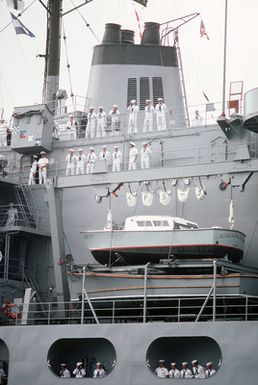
[69, 308]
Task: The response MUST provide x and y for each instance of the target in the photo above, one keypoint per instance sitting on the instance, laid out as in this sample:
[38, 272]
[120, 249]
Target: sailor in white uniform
[91, 124]
[133, 155]
[114, 116]
[42, 166]
[12, 215]
[105, 154]
[79, 371]
[132, 121]
[197, 370]
[33, 170]
[3, 133]
[161, 110]
[161, 371]
[72, 127]
[185, 372]
[145, 155]
[209, 370]
[64, 372]
[99, 372]
[101, 122]
[117, 159]
[197, 120]
[91, 158]
[174, 372]
[80, 162]
[70, 162]
[148, 118]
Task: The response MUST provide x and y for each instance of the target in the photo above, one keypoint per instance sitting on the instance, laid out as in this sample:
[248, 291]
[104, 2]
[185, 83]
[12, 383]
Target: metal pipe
[214, 290]
[83, 299]
[225, 60]
[85, 295]
[145, 291]
[204, 304]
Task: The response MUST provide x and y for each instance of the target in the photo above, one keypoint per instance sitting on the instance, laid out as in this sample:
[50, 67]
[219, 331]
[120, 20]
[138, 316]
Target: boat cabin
[157, 223]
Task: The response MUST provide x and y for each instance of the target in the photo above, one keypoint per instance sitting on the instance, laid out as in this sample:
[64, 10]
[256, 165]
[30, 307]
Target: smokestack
[112, 34]
[127, 36]
[151, 34]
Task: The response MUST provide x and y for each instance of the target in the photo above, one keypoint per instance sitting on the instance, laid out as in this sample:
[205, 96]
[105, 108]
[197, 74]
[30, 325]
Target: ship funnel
[151, 34]
[127, 36]
[112, 34]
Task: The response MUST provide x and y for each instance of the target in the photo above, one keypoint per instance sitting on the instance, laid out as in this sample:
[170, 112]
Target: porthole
[66, 353]
[167, 350]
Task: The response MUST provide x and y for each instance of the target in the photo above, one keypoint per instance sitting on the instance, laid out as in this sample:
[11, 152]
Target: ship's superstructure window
[65, 355]
[193, 357]
[157, 87]
[144, 91]
[161, 223]
[144, 223]
[131, 90]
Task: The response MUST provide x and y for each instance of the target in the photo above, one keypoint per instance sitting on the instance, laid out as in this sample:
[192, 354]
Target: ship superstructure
[63, 306]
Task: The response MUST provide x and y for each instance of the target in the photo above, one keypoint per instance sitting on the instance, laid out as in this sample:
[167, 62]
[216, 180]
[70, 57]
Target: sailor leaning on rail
[90, 160]
[133, 155]
[33, 170]
[72, 128]
[117, 157]
[42, 167]
[161, 110]
[145, 155]
[91, 124]
[114, 120]
[70, 162]
[80, 162]
[148, 118]
[197, 370]
[132, 120]
[101, 122]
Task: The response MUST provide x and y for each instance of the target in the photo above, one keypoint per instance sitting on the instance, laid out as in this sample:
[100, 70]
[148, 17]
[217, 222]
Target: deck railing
[131, 310]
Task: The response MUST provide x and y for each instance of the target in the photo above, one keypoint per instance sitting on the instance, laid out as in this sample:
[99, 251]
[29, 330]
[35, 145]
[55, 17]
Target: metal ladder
[22, 195]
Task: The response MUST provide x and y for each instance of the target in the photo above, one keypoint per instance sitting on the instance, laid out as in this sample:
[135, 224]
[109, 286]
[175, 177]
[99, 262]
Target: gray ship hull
[28, 351]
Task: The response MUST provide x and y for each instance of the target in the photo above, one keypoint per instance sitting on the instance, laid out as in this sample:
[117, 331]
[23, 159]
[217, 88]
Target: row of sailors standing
[80, 372]
[40, 166]
[197, 370]
[101, 123]
[76, 163]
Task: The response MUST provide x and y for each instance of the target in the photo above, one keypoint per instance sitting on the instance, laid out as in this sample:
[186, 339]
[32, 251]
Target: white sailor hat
[160, 99]
[98, 363]
[42, 153]
[133, 101]
[162, 361]
[132, 143]
[173, 363]
[35, 157]
[115, 106]
[100, 107]
[115, 146]
[194, 362]
[91, 108]
[184, 363]
[79, 363]
[63, 364]
[145, 143]
[70, 150]
[104, 146]
[147, 101]
[209, 364]
[80, 149]
[92, 149]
